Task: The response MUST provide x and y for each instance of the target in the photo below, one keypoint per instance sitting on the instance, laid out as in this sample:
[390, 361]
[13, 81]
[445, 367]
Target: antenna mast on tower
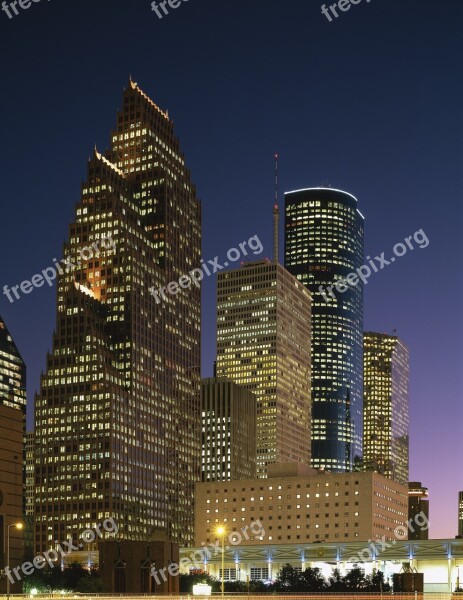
[276, 216]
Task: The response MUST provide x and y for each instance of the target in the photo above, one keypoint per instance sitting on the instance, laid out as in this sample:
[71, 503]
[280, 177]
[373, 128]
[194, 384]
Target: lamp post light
[221, 533]
[18, 526]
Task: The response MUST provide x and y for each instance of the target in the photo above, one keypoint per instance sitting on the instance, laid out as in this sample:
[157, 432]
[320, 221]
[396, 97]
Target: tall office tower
[118, 421]
[263, 343]
[229, 431]
[418, 504]
[385, 408]
[29, 530]
[12, 372]
[323, 245]
[30, 473]
[460, 514]
[12, 437]
[11, 490]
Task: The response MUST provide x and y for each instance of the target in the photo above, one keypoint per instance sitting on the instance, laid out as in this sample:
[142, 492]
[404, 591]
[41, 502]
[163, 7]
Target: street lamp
[221, 533]
[18, 526]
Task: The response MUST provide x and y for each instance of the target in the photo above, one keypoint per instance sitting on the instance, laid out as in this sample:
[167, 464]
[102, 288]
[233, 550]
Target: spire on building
[276, 217]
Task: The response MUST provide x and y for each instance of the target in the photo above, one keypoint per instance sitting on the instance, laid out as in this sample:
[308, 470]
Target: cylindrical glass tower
[323, 245]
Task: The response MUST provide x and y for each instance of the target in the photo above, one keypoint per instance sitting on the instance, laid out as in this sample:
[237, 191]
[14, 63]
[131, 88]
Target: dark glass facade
[418, 504]
[12, 372]
[323, 245]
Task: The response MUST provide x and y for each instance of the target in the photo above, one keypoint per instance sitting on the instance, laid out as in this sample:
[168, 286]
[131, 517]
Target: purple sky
[370, 103]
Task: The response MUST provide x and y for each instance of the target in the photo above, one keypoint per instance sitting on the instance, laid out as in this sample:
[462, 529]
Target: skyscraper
[11, 489]
[30, 473]
[460, 514]
[323, 245]
[385, 408]
[418, 504]
[12, 372]
[118, 415]
[263, 343]
[12, 438]
[229, 431]
[29, 530]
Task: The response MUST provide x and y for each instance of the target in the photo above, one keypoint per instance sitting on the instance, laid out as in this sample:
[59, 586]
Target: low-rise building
[440, 561]
[297, 504]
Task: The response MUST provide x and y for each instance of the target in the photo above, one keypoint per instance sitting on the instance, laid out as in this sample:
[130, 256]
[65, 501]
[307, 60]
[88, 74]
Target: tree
[188, 581]
[236, 586]
[35, 581]
[336, 582]
[354, 580]
[74, 578]
[290, 579]
[256, 586]
[377, 583]
[314, 580]
[72, 575]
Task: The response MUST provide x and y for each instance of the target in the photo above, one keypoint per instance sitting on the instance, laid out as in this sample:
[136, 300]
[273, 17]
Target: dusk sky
[369, 103]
